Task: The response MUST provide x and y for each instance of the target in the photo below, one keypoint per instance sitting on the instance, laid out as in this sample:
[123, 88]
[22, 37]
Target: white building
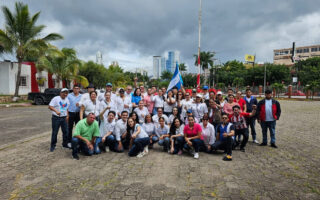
[99, 58]
[157, 67]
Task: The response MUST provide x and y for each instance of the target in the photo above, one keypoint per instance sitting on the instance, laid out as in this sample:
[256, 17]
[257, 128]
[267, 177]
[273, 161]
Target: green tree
[308, 70]
[238, 82]
[278, 87]
[206, 60]
[21, 35]
[95, 73]
[182, 67]
[166, 75]
[65, 65]
[313, 86]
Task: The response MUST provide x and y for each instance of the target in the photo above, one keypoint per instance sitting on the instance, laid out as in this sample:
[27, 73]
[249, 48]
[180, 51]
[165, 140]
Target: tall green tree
[308, 70]
[206, 60]
[22, 34]
[182, 67]
[95, 73]
[166, 75]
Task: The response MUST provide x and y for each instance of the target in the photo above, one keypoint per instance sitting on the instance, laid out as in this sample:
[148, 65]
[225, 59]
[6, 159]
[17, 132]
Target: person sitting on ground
[85, 135]
[176, 136]
[224, 137]
[149, 128]
[122, 141]
[208, 134]
[162, 132]
[139, 139]
[192, 135]
[59, 106]
[106, 140]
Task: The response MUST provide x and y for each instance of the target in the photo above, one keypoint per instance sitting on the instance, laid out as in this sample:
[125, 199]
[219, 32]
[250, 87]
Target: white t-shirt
[186, 105]
[106, 127]
[121, 102]
[101, 96]
[155, 119]
[168, 107]
[104, 104]
[60, 105]
[120, 129]
[179, 131]
[208, 134]
[158, 101]
[268, 105]
[142, 133]
[90, 106]
[199, 109]
[162, 131]
[149, 128]
[143, 112]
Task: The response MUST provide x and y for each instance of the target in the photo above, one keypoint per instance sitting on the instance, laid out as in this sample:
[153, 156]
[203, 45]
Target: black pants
[244, 133]
[74, 118]
[251, 122]
[225, 145]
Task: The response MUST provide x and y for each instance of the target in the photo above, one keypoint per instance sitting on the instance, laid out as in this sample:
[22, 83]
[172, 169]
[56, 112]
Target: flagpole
[199, 67]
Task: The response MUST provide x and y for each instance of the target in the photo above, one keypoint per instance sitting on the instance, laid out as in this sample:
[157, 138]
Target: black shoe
[75, 156]
[242, 149]
[273, 145]
[227, 158]
[52, 149]
[263, 144]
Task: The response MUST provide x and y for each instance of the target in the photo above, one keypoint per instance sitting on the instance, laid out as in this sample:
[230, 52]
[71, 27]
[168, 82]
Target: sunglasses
[224, 117]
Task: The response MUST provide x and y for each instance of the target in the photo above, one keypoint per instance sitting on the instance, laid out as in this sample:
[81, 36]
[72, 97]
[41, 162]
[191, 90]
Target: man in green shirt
[85, 135]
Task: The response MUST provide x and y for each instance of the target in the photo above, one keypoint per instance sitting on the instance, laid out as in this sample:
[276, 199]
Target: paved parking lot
[30, 171]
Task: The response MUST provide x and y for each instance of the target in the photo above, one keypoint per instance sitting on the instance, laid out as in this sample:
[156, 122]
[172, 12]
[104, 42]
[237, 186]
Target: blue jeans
[251, 122]
[110, 141]
[138, 145]
[155, 139]
[56, 123]
[82, 146]
[125, 145]
[272, 128]
[196, 144]
[225, 145]
[165, 143]
[178, 144]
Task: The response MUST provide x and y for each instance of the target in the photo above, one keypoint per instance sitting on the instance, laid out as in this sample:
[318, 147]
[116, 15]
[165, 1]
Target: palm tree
[64, 64]
[206, 60]
[22, 35]
[182, 67]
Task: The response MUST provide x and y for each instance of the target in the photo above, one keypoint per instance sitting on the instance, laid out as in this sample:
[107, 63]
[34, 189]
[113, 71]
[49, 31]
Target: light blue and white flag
[176, 79]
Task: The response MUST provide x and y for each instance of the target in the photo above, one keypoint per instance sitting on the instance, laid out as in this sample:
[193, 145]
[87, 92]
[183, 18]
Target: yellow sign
[249, 58]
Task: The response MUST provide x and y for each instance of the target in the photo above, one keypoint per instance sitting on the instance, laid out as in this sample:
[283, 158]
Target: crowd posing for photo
[180, 122]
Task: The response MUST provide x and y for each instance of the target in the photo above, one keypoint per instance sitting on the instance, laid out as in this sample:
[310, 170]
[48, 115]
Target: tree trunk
[16, 92]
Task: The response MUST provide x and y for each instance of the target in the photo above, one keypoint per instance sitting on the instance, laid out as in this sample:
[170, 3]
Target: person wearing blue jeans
[268, 111]
[84, 136]
[106, 140]
[192, 136]
[251, 101]
[139, 139]
[196, 144]
[165, 143]
[176, 136]
[162, 132]
[59, 106]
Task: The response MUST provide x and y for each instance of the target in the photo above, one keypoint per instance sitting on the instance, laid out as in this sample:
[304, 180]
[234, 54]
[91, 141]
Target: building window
[305, 50]
[23, 81]
[299, 50]
[314, 49]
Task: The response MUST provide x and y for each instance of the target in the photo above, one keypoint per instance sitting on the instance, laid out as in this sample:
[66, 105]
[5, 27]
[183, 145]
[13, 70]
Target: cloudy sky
[132, 31]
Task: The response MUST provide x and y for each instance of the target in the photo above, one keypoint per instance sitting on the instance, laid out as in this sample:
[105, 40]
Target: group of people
[177, 120]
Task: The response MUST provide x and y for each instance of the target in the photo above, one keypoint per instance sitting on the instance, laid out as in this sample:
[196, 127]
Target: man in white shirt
[86, 96]
[59, 108]
[155, 118]
[129, 92]
[122, 137]
[123, 103]
[108, 89]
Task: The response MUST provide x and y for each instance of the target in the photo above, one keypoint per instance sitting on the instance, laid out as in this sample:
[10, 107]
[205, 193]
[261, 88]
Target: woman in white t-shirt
[139, 139]
[90, 106]
[149, 128]
[141, 111]
[158, 101]
[169, 103]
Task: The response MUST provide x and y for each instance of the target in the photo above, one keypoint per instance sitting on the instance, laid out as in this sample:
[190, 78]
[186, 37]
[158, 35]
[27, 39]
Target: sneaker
[273, 145]
[107, 149]
[69, 145]
[52, 149]
[227, 158]
[180, 152]
[242, 149]
[75, 156]
[255, 142]
[140, 155]
[146, 150]
[263, 144]
[196, 155]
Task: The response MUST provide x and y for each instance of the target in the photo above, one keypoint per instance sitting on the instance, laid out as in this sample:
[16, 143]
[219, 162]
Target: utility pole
[265, 78]
[199, 42]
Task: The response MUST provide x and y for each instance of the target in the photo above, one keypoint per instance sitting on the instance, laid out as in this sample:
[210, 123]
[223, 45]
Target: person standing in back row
[251, 121]
[268, 112]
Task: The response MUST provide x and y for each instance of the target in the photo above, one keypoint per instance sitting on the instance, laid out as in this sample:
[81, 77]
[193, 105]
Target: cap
[90, 86]
[219, 92]
[199, 95]
[205, 87]
[189, 111]
[194, 90]
[109, 84]
[64, 90]
[268, 92]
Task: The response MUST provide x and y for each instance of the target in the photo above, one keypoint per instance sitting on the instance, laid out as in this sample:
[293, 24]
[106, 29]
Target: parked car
[296, 93]
[42, 98]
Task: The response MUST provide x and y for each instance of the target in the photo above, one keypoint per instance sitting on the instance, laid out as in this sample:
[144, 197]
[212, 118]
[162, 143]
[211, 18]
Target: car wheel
[39, 101]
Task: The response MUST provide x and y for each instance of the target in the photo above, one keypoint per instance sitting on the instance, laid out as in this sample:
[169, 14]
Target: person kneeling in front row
[192, 136]
[225, 137]
[85, 135]
[139, 139]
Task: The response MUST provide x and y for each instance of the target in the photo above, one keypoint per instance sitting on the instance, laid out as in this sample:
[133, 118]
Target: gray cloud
[132, 31]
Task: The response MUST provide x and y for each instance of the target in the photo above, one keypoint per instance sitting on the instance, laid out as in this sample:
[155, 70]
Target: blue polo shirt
[73, 101]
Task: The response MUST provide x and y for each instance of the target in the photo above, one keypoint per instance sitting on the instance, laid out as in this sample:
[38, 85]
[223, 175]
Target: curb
[15, 105]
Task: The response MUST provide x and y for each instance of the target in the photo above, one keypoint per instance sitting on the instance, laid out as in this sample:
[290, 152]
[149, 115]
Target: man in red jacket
[268, 112]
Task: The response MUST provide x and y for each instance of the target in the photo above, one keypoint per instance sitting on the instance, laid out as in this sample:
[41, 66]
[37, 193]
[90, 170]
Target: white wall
[8, 78]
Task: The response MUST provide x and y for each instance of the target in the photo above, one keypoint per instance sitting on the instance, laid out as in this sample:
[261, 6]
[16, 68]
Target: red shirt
[192, 132]
[241, 103]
